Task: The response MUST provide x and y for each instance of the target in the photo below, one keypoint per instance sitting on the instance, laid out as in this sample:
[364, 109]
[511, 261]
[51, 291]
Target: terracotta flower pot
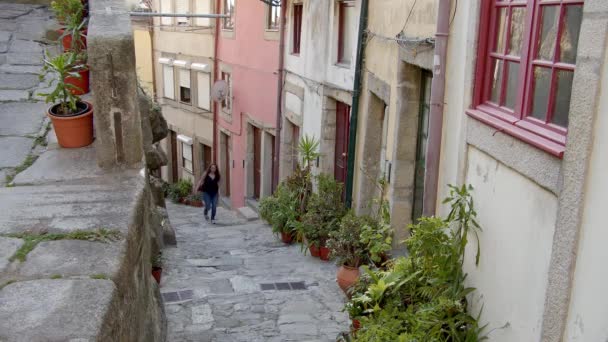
[324, 253]
[356, 325]
[314, 251]
[66, 41]
[286, 237]
[157, 273]
[347, 276]
[82, 83]
[73, 131]
[198, 204]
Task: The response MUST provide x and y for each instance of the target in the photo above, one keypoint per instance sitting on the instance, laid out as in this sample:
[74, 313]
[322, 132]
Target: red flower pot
[314, 251]
[286, 237]
[157, 272]
[198, 204]
[347, 276]
[324, 253]
[73, 131]
[66, 41]
[356, 325]
[81, 84]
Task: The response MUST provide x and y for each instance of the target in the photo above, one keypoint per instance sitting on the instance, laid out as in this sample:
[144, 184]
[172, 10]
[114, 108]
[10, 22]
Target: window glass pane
[496, 80]
[187, 151]
[500, 30]
[168, 85]
[203, 81]
[562, 98]
[569, 37]
[348, 32]
[548, 33]
[512, 83]
[518, 16]
[542, 82]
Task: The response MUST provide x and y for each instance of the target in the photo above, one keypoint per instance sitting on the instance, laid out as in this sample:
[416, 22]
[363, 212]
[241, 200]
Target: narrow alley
[221, 272]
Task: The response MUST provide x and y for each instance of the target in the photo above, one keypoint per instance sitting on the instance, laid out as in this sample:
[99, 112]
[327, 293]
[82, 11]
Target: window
[203, 6]
[273, 17]
[168, 82]
[527, 60]
[228, 23]
[165, 7]
[297, 28]
[346, 31]
[182, 6]
[187, 156]
[227, 102]
[203, 81]
[184, 86]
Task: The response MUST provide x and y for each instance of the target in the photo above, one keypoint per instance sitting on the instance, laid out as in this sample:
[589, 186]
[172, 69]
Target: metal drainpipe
[352, 136]
[215, 78]
[433, 153]
[279, 122]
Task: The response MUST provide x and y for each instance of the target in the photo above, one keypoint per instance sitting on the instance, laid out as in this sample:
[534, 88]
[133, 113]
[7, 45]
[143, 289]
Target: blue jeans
[210, 203]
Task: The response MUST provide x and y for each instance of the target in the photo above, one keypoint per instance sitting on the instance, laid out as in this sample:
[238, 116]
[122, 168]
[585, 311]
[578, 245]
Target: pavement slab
[224, 265]
[14, 95]
[18, 81]
[8, 247]
[14, 150]
[21, 118]
[54, 309]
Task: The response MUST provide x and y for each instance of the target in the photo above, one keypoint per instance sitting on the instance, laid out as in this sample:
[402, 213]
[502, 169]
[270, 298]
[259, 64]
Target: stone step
[248, 213]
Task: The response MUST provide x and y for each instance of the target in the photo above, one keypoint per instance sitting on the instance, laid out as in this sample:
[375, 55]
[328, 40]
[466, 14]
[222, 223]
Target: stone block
[242, 284]
[72, 258]
[13, 95]
[54, 310]
[19, 69]
[248, 213]
[25, 46]
[8, 247]
[5, 36]
[21, 118]
[24, 58]
[13, 150]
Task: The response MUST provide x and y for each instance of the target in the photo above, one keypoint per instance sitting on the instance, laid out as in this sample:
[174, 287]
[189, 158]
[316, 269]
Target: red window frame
[298, 9]
[518, 121]
[342, 5]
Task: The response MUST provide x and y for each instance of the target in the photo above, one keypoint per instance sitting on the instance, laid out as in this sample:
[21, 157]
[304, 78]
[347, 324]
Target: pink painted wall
[254, 61]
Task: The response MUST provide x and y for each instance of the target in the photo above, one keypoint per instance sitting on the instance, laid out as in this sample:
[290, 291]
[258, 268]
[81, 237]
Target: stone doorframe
[265, 156]
[327, 140]
[288, 120]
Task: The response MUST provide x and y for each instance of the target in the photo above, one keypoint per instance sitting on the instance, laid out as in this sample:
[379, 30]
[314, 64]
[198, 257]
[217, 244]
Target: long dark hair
[217, 171]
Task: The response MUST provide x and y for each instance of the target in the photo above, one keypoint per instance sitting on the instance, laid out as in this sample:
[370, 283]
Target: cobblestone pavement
[22, 120]
[222, 268]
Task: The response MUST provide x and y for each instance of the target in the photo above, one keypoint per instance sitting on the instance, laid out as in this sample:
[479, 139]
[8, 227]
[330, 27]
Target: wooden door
[257, 161]
[341, 147]
[174, 177]
[205, 157]
[225, 146]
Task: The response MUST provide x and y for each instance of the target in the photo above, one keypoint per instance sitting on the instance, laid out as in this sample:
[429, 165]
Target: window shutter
[168, 88]
[165, 7]
[203, 7]
[203, 83]
[184, 78]
[182, 6]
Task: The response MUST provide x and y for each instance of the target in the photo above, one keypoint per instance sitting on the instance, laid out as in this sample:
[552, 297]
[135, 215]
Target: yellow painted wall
[143, 59]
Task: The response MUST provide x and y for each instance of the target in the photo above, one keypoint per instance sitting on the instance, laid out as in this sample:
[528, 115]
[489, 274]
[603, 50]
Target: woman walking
[209, 186]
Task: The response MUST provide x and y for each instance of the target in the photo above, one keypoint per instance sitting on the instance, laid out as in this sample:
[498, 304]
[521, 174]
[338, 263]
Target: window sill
[343, 65]
[295, 54]
[514, 130]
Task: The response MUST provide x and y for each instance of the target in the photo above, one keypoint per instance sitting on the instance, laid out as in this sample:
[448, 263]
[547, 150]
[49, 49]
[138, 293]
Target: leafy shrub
[345, 243]
[325, 210]
[180, 189]
[422, 297]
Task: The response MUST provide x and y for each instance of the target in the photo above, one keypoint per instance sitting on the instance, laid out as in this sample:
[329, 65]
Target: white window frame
[166, 6]
[187, 146]
[168, 78]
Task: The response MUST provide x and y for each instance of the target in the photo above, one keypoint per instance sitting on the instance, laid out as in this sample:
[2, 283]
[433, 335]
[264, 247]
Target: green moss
[99, 276]
[29, 160]
[56, 276]
[7, 283]
[31, 240]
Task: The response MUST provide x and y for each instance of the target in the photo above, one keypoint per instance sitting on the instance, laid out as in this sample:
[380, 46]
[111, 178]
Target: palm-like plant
[62, 66]
[308, 148]
[75, 28]
[67, 10]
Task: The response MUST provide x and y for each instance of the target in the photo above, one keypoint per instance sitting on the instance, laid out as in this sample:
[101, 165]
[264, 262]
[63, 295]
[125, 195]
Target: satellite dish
[219, 91]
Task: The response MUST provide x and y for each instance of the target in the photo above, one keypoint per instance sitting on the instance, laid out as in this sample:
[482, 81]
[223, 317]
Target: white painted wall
[518, 221]
[587, 318]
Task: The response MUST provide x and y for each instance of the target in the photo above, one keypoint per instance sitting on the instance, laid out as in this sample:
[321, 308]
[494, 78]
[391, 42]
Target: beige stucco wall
[185, 43]
[143, 58]
[589, 301]
[518, 221]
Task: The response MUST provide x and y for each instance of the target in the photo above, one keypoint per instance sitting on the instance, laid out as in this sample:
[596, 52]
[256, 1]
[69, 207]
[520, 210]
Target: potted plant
[72, 117]
[64, 9]
[74, 35]
[284, 217]
[348, 249]
[325, 210]
[194, 200]
[157, 267]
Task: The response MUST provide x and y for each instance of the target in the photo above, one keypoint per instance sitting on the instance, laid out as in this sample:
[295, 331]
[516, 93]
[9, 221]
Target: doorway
[257, 161]
[205, 157]
[341, 145]
[423, 133]
[225, 163]
[174, 178]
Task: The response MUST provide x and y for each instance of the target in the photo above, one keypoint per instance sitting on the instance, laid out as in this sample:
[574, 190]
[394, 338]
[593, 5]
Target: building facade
[248, 61]
[183, 51]
[394, 108]
[320, 48]
[524, 111]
